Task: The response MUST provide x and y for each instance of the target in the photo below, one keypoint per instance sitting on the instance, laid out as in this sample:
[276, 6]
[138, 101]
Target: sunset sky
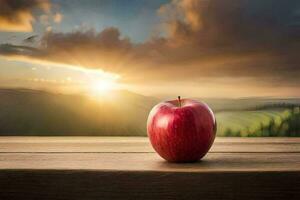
[195, 48]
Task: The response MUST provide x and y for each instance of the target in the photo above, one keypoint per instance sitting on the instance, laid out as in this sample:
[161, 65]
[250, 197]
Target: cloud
[44, 19]
[242, 23]
[18, 50]
[232, 38]
[18, 15]
[57, 17]
[215, 39]
[48, 28]
[90, 49]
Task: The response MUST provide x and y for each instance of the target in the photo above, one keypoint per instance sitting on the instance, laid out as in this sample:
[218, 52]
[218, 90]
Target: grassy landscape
[32, 112]
[274, 122]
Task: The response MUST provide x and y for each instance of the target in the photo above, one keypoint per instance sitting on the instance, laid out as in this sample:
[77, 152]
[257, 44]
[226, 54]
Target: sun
[100, 83]
[101, 87]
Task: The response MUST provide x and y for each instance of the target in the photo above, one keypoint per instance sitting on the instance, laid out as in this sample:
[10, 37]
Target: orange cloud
[18, 15]
[205, 39]
[57, 17]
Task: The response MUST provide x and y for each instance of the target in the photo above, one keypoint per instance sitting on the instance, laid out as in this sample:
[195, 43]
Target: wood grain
[127, 168]
[137, 144]
[85, 185]
[151, 162]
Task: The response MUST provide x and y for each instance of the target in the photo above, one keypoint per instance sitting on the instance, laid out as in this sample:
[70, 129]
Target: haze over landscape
[97, 67]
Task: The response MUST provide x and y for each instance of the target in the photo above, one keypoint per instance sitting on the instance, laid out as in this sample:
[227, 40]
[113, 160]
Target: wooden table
[128, 168]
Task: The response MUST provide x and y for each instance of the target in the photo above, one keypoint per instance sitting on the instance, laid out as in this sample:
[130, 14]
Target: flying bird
[30, 39]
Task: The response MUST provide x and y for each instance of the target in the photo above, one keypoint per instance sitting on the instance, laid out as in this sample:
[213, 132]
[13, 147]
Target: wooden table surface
[128, 168]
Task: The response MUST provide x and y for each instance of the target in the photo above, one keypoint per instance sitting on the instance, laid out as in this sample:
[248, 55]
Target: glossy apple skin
[181, 134]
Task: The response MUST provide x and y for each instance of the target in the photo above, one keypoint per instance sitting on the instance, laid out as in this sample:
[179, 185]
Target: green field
[273, 122]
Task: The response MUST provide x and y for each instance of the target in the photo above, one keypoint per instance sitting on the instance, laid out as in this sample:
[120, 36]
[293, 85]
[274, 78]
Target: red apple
[181, 130]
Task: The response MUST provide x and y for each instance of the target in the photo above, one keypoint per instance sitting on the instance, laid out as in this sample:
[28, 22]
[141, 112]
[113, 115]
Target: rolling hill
[32, 112]
[123, 113]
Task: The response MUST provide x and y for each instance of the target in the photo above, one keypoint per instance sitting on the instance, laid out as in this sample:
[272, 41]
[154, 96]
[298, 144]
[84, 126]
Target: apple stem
[179, 101]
